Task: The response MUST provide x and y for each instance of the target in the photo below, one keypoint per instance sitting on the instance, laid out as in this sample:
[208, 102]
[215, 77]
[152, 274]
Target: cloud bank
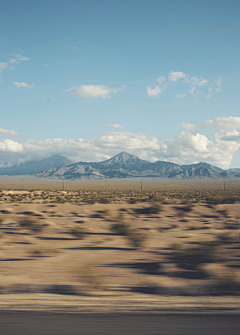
[191, 145]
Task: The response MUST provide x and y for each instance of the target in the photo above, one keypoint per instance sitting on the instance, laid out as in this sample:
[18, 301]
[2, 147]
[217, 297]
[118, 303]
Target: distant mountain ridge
[125, 165]
[36, 166]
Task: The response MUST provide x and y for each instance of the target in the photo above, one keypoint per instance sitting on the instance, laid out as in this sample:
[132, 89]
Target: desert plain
[125, 243]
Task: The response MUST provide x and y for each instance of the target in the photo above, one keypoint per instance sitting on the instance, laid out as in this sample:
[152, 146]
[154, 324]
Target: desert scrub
[40, 252]
[227, 237]
[225, 280]
[222, 199]
[120, 226]
[105, 212]
[135, 236]
[155, 208]
[29, 223]
[78, 232]
[192, 258]
[90, 274]
[224, 212]
[233, 225]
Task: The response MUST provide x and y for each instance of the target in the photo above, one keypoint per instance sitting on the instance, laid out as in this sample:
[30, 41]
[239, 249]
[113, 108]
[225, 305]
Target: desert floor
[116, 241]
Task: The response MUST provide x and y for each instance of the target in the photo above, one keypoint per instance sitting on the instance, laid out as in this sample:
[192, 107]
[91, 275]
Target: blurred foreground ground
[101, 248]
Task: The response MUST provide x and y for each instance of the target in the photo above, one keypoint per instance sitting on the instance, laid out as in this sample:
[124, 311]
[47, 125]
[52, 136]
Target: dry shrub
[155, 208]
[29, 223]
[221, 199]
[105, 212]
[78, 232]
[225, 280]
[227, 237]
[40, 252]
[135, 236]
[232, 225]
[91, 275]
[192, 258]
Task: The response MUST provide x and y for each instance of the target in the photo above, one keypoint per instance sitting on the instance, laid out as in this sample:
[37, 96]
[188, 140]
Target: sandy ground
[54, 252]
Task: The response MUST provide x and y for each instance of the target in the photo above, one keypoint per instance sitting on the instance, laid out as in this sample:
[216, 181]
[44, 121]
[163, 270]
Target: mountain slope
[32, 167]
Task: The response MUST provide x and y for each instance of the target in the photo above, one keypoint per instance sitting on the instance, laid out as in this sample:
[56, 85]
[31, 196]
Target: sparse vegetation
[122, 220]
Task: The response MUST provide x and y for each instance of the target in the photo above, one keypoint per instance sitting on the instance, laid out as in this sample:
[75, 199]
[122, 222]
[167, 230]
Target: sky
[88, 79]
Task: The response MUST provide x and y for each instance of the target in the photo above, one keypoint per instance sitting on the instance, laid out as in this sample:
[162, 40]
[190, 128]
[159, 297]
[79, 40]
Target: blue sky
[88, 79]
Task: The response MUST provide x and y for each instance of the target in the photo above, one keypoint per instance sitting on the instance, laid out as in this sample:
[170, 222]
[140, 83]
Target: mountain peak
[123, 157]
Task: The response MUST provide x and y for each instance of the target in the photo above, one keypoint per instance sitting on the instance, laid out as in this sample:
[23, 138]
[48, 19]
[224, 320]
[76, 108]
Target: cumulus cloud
[8, 132]
[17, 59]
[154, 92]
[94, 91]
[10, 146]
[175, 75]
[22, 85]
[191, 145]
[3, 66]
[115, 125]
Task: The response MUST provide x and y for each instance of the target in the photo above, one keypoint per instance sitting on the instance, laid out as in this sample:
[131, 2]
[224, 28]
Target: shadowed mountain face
[36, 166]
[125, 165]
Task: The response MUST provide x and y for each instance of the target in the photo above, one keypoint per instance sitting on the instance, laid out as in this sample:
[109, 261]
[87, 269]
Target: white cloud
[175, 75]
[216, 87]
[189, 146]
[196, 85]
[160, 80]
[115, 125]
[154, 92]
[18, 58]
[22, 85]
[181, 95]
[94, 91]
[3, 66]
[8, 132]
[10, 146]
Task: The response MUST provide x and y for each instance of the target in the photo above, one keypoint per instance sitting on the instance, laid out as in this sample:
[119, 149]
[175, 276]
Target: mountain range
[123, 165]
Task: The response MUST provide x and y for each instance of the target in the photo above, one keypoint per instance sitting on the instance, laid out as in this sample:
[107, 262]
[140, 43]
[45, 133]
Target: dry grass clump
[29, 223]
